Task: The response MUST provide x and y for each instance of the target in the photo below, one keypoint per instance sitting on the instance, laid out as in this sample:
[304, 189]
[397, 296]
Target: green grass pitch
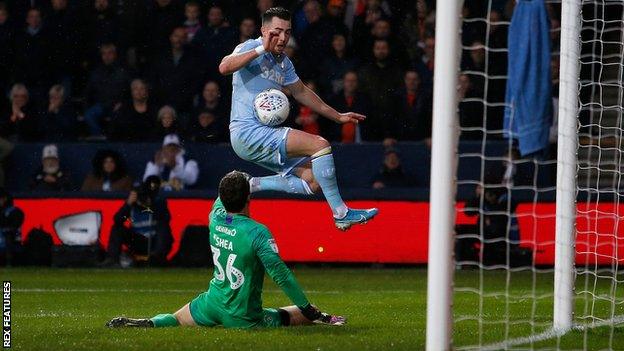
[65, 309]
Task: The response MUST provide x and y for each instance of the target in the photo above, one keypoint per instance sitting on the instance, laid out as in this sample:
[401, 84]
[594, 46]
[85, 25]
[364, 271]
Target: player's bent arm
[306, 96]
[265, 248]
[235, 61]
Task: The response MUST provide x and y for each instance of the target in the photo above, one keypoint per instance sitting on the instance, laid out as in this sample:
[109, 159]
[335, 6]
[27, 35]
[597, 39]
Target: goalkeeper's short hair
[234, 191]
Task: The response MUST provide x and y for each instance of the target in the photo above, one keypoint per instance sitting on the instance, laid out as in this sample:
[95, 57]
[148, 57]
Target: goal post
[567, 144]
[528, 252]
[443, 167]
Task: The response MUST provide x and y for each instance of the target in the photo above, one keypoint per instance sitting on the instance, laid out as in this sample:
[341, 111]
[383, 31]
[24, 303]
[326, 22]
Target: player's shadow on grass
[314, 330]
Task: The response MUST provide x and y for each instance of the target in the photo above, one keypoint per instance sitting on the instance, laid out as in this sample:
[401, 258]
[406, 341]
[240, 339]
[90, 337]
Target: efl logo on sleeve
[6, 315]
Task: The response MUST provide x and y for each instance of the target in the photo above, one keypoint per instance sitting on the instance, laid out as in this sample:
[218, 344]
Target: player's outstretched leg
[325, 174]
[300, 143]
[287, 183]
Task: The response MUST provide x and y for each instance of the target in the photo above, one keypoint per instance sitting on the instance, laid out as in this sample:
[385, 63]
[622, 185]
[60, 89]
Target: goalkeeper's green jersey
[242, 249]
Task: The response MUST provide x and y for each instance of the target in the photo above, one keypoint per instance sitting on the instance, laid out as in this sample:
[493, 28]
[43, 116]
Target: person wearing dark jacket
[50, 176]
[19, 120]
[148, 232]
[176, 76]
[411, 120]
[105, 90]
[31, 58]
[391, 174]
[136, 119]
[57, 122]
[109, 173]
[348, 99]
[166, 123]
[11, 220]
[380, 80]
[207, 128]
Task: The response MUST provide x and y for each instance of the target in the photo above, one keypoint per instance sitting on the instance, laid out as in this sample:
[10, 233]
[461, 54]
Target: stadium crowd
[137, 71]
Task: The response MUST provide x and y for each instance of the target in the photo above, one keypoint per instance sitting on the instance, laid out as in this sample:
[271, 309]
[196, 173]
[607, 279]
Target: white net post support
[567, 143]
[443, 166]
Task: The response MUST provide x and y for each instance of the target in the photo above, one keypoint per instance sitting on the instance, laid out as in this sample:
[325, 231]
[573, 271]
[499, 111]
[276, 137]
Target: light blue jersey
[251, 140]
[262, 73]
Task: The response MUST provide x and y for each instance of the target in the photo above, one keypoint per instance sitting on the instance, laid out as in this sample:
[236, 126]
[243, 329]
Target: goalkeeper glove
[317, 317]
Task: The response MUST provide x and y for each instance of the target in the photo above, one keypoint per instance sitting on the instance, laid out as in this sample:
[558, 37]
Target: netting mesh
[503, 283]
[600, 236]
[505, 233]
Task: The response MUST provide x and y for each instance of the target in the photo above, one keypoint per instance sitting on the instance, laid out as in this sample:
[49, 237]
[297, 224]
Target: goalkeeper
[242, 250]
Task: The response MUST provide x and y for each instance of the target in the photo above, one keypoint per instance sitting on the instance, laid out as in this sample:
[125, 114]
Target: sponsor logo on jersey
[273, 245]
[226, 230]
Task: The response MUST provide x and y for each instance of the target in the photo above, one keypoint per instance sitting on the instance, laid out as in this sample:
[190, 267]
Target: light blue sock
[289, 183]
[325, 173]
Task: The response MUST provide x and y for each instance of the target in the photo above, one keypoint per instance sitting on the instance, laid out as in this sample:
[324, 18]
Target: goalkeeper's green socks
[165, 320]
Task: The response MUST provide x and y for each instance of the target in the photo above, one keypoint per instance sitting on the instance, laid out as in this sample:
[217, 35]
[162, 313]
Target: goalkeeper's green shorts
[207, 313]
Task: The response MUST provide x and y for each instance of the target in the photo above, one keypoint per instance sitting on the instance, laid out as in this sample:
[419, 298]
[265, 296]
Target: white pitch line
[549, 334]
[159, 291]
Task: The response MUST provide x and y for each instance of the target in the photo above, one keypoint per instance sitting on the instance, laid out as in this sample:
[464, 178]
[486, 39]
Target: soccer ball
[272, 107]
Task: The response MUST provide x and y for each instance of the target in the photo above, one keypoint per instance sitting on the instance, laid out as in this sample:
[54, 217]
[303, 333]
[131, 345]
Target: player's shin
[165, 320]
[325, 174]
[289, 183]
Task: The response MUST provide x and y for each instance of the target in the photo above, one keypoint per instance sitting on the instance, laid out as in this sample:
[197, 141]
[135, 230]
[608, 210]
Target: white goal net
[505, 226]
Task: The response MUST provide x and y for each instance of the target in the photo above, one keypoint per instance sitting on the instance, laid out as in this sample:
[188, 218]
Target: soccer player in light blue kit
[303, 162]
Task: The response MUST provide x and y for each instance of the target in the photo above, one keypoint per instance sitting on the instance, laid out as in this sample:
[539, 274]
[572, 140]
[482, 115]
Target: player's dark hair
[278, 12]
[234, 191]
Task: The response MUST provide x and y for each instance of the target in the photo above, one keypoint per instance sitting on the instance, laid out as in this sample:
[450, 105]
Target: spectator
[470, 112]
[62, 31]
[380, 80]
[210, 100]
[382, 29]
[176, 75]
[391, 174]
[317, 36]
[496, 217]
[32, 57]
[305, 118]
[6, 148]
[11, 220]
[348, 99]
[335, 65]
[163, 16]
[304, 70]
[495, 93]
[424, 65]
[412, 116]
[136, 119]
[148, 231]
[170, 165]
[50, 176]
[207, 129]
[19, 121]
[167, 123]
[192, 11]
[216, 40]
[7, 37]
[105, 90]
[247, 30]
[335, 16]
[418, 24]
[108, 174]
[58, 121]
[101, 27]
[364, 20]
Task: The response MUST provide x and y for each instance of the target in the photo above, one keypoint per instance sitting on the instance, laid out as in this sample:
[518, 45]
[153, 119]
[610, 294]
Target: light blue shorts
[264, 146]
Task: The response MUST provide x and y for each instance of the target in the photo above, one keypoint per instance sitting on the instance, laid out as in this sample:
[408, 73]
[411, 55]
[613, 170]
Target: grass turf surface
[66, 309]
